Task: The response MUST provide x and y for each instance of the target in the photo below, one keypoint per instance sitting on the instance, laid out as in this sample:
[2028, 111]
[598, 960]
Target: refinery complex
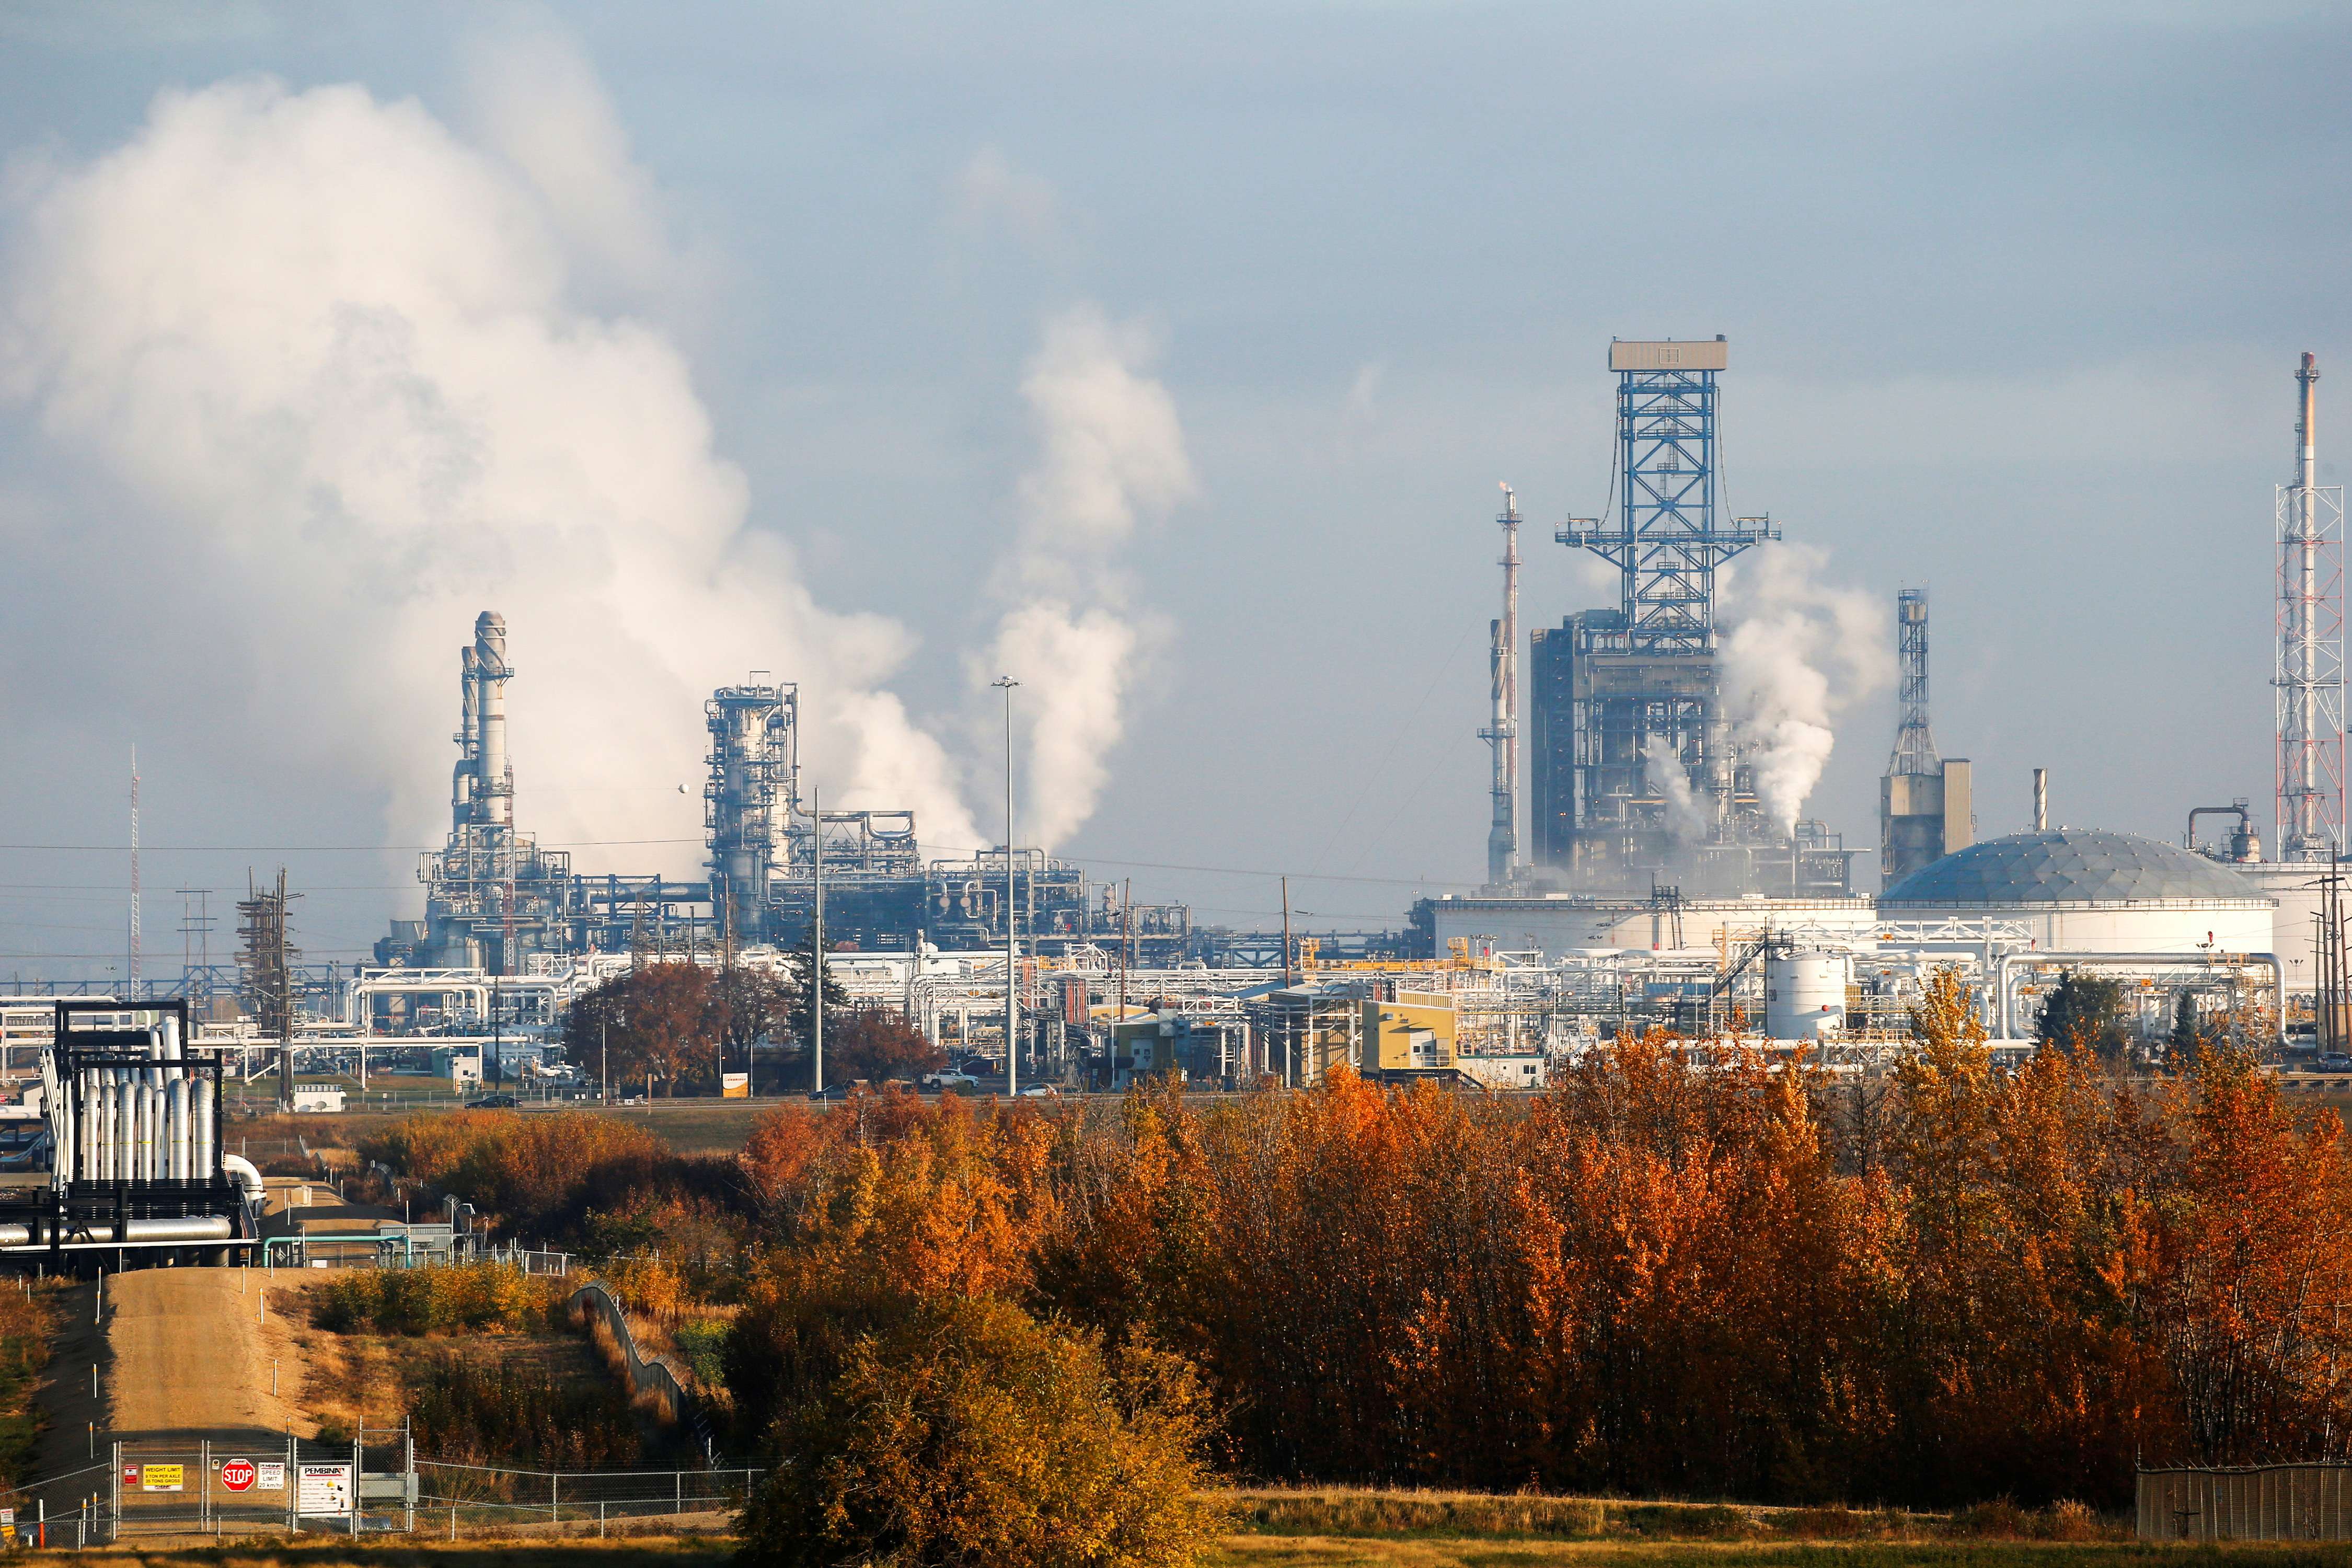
[1640, 872]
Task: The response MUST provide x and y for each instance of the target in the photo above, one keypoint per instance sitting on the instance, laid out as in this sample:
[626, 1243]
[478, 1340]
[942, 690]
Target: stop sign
[237, 1475]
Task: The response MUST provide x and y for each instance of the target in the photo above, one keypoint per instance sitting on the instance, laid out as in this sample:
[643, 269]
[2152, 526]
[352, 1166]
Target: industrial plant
[1639, 875]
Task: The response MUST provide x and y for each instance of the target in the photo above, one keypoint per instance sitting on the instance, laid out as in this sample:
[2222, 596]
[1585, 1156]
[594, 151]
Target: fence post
[677, 1480]
[204, 1484]
[293, 1485]
[114, 1523]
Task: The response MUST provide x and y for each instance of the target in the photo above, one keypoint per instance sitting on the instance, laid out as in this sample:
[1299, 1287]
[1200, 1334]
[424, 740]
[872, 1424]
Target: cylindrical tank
[1804, 994]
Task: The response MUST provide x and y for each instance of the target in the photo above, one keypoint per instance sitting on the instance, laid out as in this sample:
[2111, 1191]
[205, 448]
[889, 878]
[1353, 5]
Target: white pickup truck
[949, 1079]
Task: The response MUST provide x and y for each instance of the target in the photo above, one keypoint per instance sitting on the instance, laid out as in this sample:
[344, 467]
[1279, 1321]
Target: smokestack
[494, 775]
[2041, 800]
[2311, 646]
[1503, 720]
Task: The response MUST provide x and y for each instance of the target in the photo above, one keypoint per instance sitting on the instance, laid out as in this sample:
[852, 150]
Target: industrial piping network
[136, 1153]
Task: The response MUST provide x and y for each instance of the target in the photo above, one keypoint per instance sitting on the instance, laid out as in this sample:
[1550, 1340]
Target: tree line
[1680, 1270]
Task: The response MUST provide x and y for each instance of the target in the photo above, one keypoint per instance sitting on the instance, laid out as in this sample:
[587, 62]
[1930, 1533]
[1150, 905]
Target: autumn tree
[2083, 1013]
[876, 1044]
[755, 1007]
[661, 1021]
[970, 1433]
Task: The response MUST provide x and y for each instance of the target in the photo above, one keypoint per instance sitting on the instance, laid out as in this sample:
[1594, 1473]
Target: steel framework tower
[2310, 679]
[1915, 743]
[750, 798]
[1502, 731]
[1667, 542]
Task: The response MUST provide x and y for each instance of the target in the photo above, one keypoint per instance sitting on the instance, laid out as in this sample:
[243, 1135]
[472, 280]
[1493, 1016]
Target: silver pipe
[176, 1126]
[201, 1153]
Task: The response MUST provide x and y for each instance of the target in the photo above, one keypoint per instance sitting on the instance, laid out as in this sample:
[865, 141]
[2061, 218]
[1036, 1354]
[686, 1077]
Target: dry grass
[1361, 1514]
[1328, 1552]
[644, 1549]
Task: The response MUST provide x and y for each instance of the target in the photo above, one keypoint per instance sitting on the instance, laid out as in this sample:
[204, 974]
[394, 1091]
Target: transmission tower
[266, 963]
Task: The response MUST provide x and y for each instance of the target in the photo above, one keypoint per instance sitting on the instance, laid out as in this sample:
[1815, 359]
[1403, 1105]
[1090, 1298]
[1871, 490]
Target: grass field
[1342, 1552]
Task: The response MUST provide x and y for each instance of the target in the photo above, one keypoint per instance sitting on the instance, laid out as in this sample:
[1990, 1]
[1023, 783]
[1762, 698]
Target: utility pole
[1011, 943]
[1287, 978]
[816, 944]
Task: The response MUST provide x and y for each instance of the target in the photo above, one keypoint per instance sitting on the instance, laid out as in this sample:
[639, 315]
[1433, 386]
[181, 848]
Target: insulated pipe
[126, 1127]
[200, 1153]
[88, 1133]
[150, 1130]
[2002, 965]
[244, 1173]
[199, 1227]
[176, 1129]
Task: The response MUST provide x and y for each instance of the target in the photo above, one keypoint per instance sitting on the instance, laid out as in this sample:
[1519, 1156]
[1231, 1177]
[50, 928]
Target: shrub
[975, 1434]
[468, 1413]
[473, 1296]
[702, 1341]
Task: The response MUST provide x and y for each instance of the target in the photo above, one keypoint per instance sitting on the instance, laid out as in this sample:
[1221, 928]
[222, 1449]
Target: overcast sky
[1188, 341]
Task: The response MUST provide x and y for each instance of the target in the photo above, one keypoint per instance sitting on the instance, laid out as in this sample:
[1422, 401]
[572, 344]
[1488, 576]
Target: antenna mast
[131, 978]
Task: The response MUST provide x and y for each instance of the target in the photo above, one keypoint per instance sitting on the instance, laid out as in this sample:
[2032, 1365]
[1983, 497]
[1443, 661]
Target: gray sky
[2014, 295]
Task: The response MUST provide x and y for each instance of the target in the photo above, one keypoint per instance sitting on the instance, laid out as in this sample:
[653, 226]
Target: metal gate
[163, 1487]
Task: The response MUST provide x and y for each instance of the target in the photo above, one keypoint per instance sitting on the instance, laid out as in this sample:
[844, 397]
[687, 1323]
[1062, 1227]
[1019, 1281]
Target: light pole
[1005, 683]
[816, 946]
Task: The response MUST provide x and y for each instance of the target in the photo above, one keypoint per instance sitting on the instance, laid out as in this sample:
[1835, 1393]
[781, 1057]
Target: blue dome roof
[2070, 866]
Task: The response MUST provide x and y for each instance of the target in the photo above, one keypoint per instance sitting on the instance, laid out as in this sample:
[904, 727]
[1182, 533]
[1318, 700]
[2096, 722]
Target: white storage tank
[1804, 994]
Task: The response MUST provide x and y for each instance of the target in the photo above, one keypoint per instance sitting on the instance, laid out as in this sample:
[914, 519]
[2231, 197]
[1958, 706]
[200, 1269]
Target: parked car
[949, 1079]
[493, 1102]
[2335, 1061]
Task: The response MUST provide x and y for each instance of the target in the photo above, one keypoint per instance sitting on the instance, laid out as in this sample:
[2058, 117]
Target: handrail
[407, 1245]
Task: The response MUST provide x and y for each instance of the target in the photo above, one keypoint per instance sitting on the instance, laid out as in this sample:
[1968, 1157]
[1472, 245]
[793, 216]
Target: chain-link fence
[151, 1486]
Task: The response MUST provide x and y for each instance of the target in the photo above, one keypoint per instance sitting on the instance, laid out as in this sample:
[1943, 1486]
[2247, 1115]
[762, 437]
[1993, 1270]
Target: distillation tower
[491, 892]
[750, 796]
[1635, 778]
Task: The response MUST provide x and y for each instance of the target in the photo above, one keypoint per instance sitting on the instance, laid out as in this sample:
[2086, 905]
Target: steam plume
[327, 364]
[1798, 652]
[1111, 450]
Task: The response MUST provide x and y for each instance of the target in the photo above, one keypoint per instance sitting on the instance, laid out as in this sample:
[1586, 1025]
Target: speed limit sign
[237, 1475]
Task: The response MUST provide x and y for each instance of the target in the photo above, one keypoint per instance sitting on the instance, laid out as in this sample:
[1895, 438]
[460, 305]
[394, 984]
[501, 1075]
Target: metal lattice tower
[1667, 544]
[1915, 743]
[2310, 679]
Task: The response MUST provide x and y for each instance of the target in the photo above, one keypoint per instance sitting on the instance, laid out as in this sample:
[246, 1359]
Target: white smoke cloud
[1112, 452]
[1797, 653]
[1686, 815]
[328, 364]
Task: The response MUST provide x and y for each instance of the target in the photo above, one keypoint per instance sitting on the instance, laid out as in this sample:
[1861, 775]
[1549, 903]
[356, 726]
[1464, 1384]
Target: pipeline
[136, 1232]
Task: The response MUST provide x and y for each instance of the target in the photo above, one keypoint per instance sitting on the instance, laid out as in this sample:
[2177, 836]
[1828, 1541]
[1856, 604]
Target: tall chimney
[2041, 800]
